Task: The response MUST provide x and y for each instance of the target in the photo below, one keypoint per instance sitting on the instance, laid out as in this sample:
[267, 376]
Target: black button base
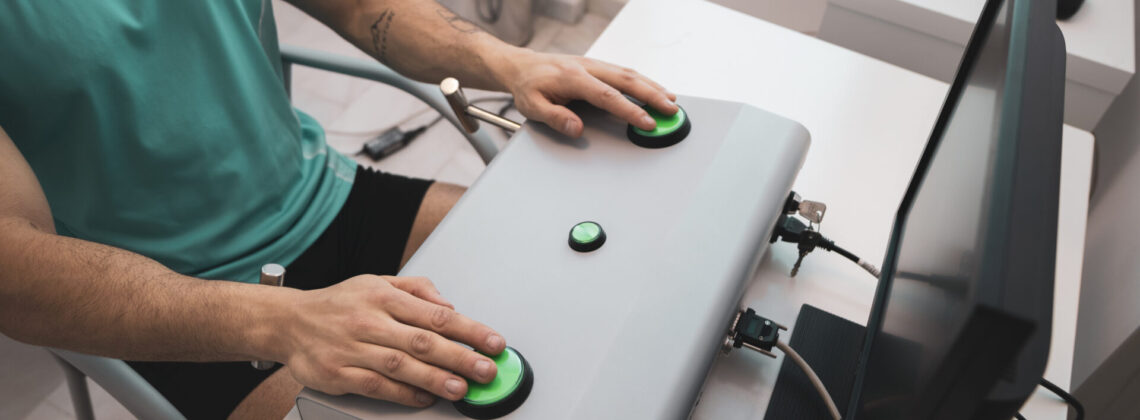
[507, 405]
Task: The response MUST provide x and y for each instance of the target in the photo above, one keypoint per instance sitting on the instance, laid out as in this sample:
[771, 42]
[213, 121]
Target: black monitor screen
[940, 249]
[943, 298]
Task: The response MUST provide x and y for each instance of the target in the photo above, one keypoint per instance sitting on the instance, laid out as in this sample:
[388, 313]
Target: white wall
[1110, 285]
[801, 15]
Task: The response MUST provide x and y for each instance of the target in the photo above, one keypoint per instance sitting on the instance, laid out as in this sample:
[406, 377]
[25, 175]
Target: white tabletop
[869, 121]
[1099, 38]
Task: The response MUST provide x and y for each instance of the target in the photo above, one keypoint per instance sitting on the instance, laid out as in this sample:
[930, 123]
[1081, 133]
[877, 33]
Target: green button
[586, 232]
[506, 381]
[666, 124]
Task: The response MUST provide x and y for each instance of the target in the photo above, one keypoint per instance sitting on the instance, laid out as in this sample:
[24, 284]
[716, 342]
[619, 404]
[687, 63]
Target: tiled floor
[32, 386]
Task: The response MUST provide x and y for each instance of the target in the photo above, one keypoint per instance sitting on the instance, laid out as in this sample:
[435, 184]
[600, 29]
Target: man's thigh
[440, 198]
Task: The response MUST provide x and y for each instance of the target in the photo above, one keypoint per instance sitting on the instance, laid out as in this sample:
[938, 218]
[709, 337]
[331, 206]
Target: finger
[636, 85]
[658, 86]
[404, 368]
[607, 97]
[422, 288]
[443, 320]
[556, 116]
[432, 348]
[374, 385]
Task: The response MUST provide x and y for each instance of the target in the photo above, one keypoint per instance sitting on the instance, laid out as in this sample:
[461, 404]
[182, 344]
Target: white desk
[869, 121]
[928, 36]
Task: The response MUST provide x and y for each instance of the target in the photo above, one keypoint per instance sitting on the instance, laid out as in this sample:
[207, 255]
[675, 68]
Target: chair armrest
[375, 71]
[123, 383]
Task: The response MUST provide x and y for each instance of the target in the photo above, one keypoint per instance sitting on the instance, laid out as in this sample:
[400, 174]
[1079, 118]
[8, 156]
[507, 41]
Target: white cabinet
[928, 36]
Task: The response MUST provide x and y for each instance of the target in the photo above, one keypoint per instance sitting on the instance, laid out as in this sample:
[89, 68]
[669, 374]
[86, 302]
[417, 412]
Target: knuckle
[325, 371]
[372, 385]
[441, 317]
[609, 94]
[422, 342]
[393, 361]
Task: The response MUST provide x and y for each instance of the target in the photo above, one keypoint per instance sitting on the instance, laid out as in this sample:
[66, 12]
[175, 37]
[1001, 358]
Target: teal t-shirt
[163, 127]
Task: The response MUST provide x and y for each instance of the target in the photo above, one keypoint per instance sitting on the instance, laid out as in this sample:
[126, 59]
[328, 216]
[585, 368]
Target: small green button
[586, 237]
[666, 124]
[506, 381]
[586, 232]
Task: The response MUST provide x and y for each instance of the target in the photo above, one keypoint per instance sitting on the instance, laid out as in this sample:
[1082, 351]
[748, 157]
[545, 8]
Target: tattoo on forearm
[460, 24]
[380, 34]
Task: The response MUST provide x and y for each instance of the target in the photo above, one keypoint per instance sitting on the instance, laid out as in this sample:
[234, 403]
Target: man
[147, 146]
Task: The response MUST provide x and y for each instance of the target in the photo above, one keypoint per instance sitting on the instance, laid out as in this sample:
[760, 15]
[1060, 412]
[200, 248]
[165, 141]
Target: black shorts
[367, 237]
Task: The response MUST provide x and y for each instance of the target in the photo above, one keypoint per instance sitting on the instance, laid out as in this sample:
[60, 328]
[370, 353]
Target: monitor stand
[831, 346]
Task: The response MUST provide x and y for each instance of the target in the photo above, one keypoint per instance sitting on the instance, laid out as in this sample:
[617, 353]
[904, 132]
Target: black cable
[1069, 399]
[831, 246]
[510, 104]
[1018, 416]
[793, 230]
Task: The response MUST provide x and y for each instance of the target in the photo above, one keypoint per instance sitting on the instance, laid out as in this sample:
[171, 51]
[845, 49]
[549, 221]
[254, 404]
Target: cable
[374, 132]
[1018, 416]
[790, 228]
[831, 408]
[831, 246]
[1069, 399]
[510, 104]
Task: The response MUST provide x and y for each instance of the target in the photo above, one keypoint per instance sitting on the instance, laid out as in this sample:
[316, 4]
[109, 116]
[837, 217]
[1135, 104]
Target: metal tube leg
[77, 386]
[287, 76]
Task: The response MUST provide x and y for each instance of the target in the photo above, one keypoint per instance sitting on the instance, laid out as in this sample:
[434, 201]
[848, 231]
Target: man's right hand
[387, 338]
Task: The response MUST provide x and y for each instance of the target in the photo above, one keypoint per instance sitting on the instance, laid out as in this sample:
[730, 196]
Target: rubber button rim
[506, 405]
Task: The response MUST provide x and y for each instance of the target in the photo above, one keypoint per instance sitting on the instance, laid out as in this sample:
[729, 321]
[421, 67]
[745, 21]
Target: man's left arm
[425, 41]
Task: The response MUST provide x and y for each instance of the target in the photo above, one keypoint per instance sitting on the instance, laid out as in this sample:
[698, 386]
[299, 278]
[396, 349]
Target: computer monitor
[961, 321]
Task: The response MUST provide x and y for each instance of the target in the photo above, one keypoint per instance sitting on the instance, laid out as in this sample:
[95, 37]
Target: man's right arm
[74, 294]
[383, 337]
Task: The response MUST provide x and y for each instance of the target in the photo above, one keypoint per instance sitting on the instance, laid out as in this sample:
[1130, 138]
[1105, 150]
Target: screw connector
[753, 332]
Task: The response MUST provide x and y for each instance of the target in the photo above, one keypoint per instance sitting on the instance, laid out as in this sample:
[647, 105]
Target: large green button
[666, 124]
[587, 236]
[506, 381]
[670, 130]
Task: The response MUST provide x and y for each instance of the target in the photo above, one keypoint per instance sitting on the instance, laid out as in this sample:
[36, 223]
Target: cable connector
[753, 332]
[389, 142]
[791, 228]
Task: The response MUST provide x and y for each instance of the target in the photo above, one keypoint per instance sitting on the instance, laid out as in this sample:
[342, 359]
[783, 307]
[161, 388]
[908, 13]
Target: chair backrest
[124, 384]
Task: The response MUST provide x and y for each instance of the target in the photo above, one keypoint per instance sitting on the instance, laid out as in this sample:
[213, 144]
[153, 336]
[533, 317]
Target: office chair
[126, 385]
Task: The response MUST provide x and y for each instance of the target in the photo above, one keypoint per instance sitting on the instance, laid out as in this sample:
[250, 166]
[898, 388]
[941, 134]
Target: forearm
[420, 39]
[78, 295]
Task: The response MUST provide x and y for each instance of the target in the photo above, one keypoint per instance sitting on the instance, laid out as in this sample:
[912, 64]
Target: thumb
[556, 116]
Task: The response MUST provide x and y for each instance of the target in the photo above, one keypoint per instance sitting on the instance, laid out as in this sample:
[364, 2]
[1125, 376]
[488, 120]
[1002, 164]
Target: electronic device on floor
[612, 263]
[961, 321]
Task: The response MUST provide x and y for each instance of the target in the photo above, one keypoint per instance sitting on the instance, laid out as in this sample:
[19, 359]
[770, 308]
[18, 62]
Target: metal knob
[271, 275]
[467, 113]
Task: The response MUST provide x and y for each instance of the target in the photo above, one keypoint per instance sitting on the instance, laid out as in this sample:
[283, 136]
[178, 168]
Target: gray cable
[831, 408]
